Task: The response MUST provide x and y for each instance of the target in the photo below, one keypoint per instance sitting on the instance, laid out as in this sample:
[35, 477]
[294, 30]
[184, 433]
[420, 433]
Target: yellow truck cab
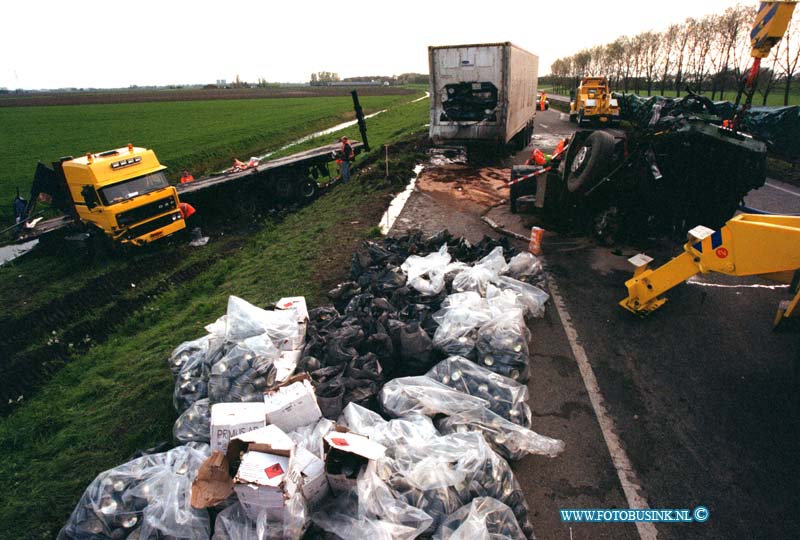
[592, 102]
[124, 193]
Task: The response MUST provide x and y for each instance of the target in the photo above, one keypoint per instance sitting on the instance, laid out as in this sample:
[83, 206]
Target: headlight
[614, 103]
[591, 102]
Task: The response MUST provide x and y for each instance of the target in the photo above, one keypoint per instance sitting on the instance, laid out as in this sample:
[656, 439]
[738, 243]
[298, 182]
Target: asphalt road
[695, 405]
[703, 393]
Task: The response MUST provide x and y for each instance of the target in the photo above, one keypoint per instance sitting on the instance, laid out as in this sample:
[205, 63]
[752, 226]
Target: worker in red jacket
[186, 177]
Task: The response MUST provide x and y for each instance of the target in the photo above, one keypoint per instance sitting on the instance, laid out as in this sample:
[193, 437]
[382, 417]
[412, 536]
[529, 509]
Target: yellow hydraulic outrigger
[749, 244]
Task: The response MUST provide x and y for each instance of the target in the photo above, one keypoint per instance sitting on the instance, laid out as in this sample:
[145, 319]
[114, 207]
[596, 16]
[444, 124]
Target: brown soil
[486, 186]
[142, 96]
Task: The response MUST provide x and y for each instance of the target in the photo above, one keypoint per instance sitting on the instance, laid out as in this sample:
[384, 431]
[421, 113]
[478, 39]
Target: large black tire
[307, 190]
[592, 161]
[573, 117]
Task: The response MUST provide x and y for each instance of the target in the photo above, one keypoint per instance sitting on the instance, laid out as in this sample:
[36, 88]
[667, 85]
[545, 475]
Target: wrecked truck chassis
[646, 183]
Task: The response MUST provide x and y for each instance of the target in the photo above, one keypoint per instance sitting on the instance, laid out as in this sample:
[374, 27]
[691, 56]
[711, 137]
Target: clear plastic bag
[233, 524]
[191, 383]
[504, 396]
[524, 264]
[189, 351]
[503, 346]
[531, 296]
[474, 279]
[443, 474]
[423, 395]
[295, 521]
[245, 372]
[310, 436]
[426, 274]
[245, 320]
[194, 425]
[510, 440]
[411, 429]
[460, 316]
[148, 497]
[494, 261]
[484, 518]
[344, 518]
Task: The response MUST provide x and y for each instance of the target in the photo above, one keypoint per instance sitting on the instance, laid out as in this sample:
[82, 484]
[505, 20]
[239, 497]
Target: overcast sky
[53, 44]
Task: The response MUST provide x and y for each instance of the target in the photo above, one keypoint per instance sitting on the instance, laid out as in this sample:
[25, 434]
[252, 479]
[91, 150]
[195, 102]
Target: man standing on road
[347, 156]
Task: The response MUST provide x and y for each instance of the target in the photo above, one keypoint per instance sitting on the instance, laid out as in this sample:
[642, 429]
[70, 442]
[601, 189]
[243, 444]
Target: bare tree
[698, 47]
[651, 54]
[680, 52]
[790, 57]
[669, 42]
[615, 53]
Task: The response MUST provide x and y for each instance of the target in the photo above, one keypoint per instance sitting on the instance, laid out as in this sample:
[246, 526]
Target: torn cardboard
[256, 467]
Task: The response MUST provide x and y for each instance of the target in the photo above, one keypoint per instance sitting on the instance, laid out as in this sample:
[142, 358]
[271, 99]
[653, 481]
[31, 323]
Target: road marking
[693, 281]
[789, 191]
[545, 126]
[627, 476]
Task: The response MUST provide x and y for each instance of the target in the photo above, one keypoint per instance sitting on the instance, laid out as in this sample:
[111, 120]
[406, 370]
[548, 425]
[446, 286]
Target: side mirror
[90, 197]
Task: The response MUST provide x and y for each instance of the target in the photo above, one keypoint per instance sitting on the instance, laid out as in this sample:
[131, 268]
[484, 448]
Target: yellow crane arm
[771, 23]
[748, 244]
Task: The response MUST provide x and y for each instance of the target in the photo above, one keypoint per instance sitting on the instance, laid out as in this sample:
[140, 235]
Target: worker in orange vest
[347, 155]
[186, 177]
[542, 101]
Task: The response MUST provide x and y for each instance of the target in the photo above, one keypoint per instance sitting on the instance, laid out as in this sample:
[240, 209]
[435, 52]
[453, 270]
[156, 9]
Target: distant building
[222, 83]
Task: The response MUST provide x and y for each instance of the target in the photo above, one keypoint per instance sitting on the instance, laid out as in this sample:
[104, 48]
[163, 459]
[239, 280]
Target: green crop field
[200, 135]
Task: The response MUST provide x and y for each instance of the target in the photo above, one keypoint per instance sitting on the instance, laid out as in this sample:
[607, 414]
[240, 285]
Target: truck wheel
[573, 117]
[591, 162]
[580, 118]
[307, 190]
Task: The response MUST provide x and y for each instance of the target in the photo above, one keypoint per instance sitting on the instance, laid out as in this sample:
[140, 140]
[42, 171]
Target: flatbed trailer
[285, 179]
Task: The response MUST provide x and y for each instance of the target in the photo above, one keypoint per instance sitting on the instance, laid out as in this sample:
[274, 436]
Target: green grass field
[201, 135]
[115, 396]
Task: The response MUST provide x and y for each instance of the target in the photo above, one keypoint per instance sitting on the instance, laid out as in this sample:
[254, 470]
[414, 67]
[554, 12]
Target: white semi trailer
[482, 93]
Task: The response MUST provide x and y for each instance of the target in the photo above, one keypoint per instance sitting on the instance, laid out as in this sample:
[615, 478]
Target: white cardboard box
[292, 404]
[286, 364]
[298, 305]
[343, 440]
[312, 475]
[263, 481]
[229, 420]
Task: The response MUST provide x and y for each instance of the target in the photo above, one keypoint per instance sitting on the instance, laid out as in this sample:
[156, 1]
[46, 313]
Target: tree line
[709, 55]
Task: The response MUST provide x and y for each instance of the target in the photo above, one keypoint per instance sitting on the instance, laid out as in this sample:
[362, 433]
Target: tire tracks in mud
[33, 354]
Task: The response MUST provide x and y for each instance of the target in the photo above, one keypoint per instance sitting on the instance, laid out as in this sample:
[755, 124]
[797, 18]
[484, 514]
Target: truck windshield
[128, 189]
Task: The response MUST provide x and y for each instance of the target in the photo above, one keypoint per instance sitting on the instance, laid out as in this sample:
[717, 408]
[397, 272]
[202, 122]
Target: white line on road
[627, 476]
[693, 281]
[545, 126]
[789, 191]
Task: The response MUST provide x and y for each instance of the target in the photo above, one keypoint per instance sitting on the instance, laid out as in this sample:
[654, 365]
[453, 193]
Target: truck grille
[146, 211]
[150, 226]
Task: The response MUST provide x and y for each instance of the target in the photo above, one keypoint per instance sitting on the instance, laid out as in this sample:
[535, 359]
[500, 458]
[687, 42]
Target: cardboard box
[292, 404]
[258, 466]
[263, 480]
[229, 420]
[297, 304]
[286, 364]
[313, 481]
[346, 453]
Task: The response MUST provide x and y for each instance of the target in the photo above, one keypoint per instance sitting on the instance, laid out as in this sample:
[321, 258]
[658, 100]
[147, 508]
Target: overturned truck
[677, 168]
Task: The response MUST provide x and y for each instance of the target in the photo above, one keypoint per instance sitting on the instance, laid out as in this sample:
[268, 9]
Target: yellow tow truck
[121, 194]
[591, 102]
